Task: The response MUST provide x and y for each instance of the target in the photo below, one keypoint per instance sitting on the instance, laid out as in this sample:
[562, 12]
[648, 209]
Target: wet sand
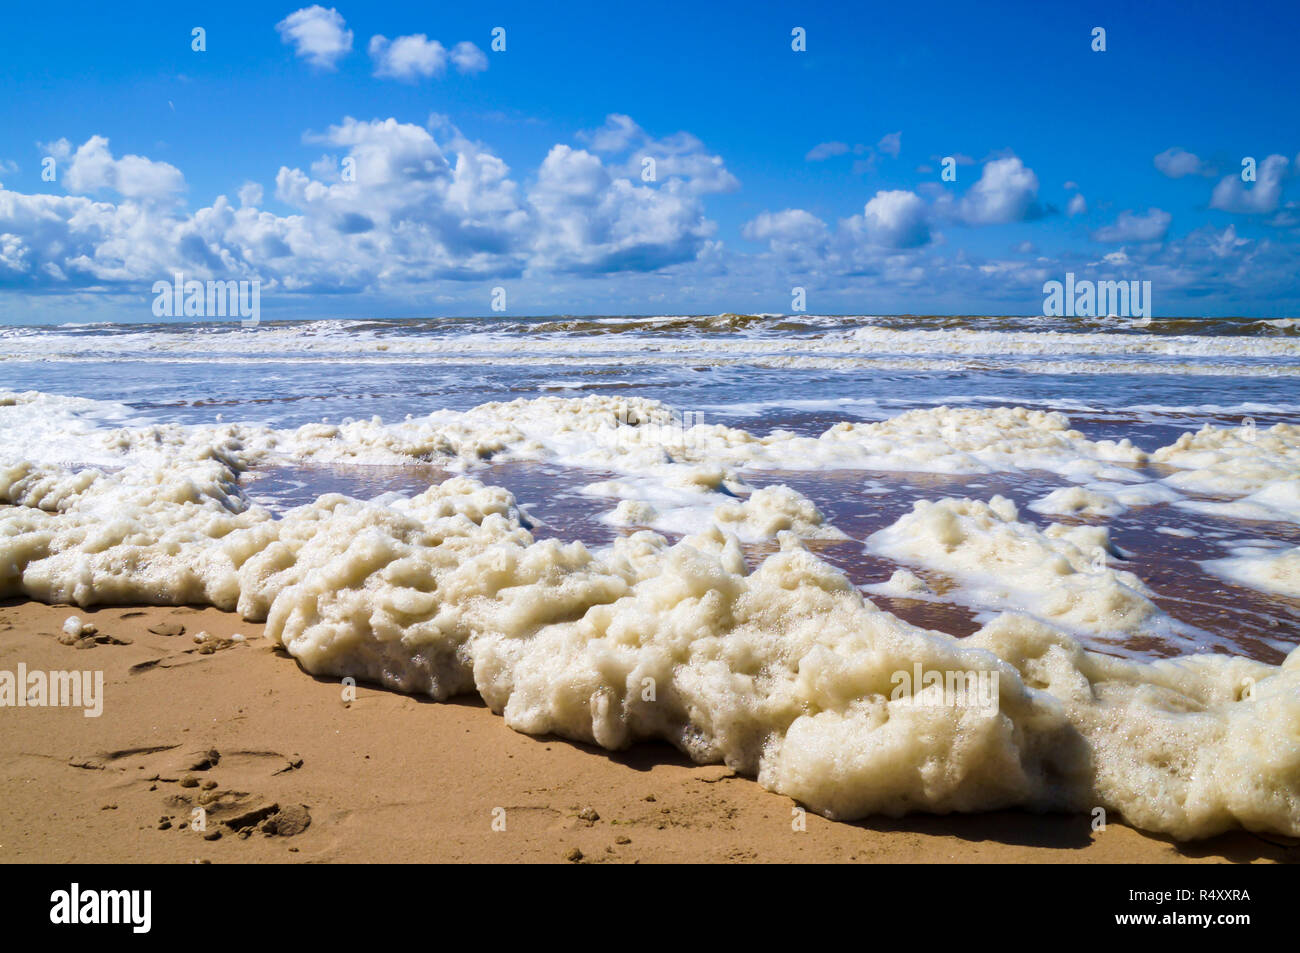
[389, 777]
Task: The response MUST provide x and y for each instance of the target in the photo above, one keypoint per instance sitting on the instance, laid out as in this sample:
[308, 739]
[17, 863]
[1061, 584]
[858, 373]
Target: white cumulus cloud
[391, 206]
[790, 233]
[1260, 196]
[92, 168]
[1177, 163]
[408, 58]
[679, 160]
[591, 218]
[1007, 191]
[318, 35]
[893, 219]
[468, 58]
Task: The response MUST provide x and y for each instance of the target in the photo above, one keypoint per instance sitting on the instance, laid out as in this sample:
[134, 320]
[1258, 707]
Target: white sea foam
[1266, 568]
[674, 469]
[1061, 575]
[763, 516]
[677, 471]
[1232, 461]
[1104, 498]
[1278, 501]
[1245, 407]
[903, 584]
[1135, 495]
[782, 671]
[1257, 468]
[1078, 501]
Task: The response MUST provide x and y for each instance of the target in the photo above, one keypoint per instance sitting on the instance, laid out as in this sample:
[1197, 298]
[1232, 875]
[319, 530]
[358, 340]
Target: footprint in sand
[199, 802]
[204, 644]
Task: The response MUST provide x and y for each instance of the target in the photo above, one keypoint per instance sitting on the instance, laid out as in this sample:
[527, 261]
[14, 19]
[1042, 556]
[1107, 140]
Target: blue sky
[523, 168]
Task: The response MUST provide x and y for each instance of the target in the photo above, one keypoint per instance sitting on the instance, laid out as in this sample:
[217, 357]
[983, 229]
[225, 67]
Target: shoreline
[392, 777]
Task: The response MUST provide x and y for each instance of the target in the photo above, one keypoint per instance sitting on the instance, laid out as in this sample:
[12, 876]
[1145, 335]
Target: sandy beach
[391, 777]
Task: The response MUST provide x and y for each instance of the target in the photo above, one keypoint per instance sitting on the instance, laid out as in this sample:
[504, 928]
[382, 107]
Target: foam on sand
[781, 670]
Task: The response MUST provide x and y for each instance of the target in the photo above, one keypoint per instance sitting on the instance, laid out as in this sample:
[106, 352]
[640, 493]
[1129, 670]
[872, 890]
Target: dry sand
[389, 777]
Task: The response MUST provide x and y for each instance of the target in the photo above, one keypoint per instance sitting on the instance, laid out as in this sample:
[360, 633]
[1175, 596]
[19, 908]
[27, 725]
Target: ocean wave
[722, 334]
